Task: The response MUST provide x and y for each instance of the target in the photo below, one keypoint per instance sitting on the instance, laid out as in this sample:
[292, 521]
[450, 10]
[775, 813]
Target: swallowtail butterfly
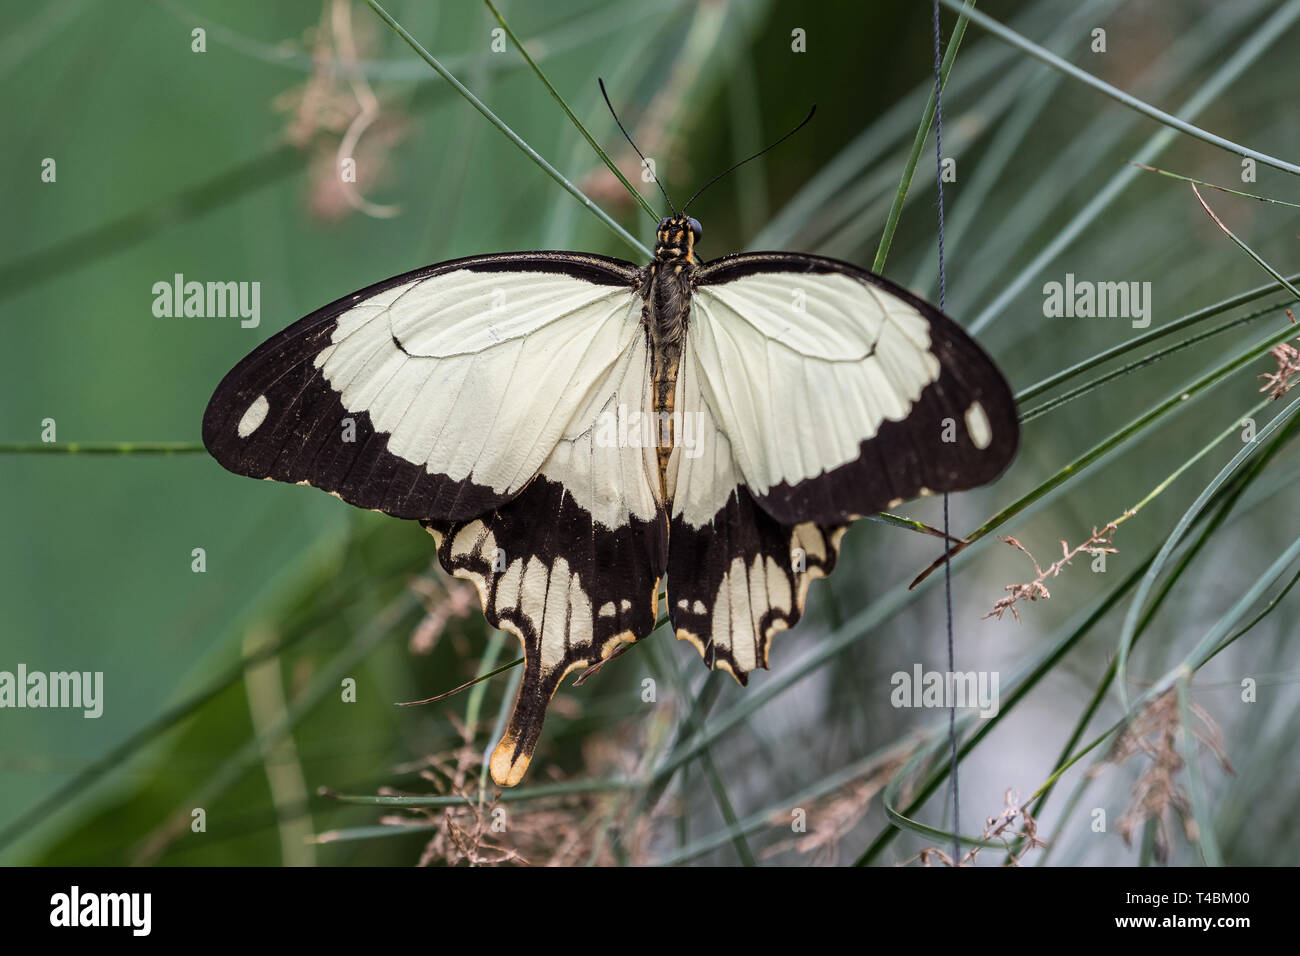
[571, 428]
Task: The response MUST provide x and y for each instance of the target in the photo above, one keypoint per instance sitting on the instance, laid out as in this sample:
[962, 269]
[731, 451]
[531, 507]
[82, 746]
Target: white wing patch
[551, 601]
[801, 368]
[254, 417]
[605, 460]
[702, 476]
[748, 593]
[736, 576]
[978, 427]
[477, 375]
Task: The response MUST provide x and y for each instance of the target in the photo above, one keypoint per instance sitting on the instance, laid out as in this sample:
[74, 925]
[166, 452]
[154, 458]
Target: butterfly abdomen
[666, 314]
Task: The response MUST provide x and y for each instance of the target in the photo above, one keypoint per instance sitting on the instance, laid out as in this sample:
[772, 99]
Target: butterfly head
[676, 239]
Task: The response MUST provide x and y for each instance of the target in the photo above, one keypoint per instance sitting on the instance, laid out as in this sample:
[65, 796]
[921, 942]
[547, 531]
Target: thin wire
[947, 554]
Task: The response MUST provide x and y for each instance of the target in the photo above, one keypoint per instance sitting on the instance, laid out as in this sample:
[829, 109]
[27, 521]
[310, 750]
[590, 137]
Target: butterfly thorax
[666, 290]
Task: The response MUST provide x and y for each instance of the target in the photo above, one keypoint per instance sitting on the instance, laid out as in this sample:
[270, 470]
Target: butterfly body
[666, 289]
[571, 429]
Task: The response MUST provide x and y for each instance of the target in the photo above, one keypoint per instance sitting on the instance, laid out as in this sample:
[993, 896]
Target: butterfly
[573, 428]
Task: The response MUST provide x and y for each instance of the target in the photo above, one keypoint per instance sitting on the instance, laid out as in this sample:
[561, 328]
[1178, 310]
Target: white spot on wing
[978, 427]
[254, 417]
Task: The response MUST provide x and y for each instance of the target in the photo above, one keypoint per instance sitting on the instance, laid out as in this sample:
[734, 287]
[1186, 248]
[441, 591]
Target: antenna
[644, 161]
[805, 122]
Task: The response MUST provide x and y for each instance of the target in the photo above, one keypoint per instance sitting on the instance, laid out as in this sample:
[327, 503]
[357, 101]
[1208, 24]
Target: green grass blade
[1281, 20]
[1259, 260]
[1177, 325]
[1222, 189]
[102, 448]
[511, 135]
[1245, 55]
[1147, 360]
[1129, 628]
[604, 157]
[1133, 429]
[918, 141]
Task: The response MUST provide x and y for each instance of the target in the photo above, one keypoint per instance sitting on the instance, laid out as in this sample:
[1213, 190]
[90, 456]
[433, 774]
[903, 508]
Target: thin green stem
[510, 134]
[918, 141]
[1222, 189]
[1225, 502]
[1259, 260]
[507, 795]
[1192, 318]
[763, 818]
[604, 157]
[1245, 55]
[1133, 428]
[1265, 612]
[1277, 24]
[1129, 628]
[1072, 635]
[711, 774]
[1127, 369]
[102, 448]
[463, 687]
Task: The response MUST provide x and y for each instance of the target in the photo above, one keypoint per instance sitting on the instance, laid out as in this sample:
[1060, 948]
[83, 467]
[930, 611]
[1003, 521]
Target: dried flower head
[1099, 543]
[835, 814]
[1278, 383]
[329, 115]
[1001, 826]
[1157, 795]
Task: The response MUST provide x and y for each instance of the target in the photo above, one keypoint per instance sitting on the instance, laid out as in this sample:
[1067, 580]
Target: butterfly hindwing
[736, 575]
[571, 566]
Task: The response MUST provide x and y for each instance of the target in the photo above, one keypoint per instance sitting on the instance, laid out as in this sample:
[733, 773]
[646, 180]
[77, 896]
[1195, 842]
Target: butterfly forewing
[437, 394]
[840, 392]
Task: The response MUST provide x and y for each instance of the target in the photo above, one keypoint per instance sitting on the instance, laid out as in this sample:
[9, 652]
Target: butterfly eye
[696, 229]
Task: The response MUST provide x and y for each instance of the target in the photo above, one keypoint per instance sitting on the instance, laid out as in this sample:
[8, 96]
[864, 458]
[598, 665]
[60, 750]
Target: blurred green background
[220, 165]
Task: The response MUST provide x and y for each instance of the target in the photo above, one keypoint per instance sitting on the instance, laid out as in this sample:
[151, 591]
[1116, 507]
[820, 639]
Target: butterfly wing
[736, 574]
[572, 565]
[842, 393]
[485, 397]
[822, 393]
[436, 394]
